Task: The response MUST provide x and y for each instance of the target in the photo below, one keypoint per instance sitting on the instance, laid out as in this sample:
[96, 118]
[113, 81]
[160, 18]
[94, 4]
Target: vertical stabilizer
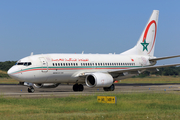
[146, 42]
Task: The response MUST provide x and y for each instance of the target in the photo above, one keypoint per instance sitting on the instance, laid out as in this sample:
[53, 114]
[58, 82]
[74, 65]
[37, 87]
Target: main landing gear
[29, 85]
[78, 87]
[111, 88]
[31, 89]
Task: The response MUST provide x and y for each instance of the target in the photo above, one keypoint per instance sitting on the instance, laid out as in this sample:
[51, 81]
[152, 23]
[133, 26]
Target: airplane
[93, 70]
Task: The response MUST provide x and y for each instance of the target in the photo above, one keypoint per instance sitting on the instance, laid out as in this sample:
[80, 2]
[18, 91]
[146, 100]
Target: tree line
[167, 71]
[4, 66]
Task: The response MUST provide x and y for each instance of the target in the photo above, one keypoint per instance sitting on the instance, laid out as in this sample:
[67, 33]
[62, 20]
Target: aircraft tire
[75, 87]
[31, 90]
[81, 87]
[111, 88]
[105, 89]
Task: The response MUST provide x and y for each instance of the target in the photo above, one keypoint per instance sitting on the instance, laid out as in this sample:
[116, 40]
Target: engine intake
[99, 80]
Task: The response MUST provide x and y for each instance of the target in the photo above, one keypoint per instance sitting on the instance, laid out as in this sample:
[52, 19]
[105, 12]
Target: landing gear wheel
[31, 90]
[81, 87]
[111, 88]
[77, 87]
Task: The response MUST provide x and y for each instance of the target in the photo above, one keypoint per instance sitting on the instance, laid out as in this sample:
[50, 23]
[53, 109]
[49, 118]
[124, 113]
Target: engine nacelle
[99, 80]
[46, 85]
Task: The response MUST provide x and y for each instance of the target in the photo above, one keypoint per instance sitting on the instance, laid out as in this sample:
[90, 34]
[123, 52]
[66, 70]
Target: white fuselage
[66, 68]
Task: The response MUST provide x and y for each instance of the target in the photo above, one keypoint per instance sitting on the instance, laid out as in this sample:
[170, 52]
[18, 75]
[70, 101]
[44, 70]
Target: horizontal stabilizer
[162, 58]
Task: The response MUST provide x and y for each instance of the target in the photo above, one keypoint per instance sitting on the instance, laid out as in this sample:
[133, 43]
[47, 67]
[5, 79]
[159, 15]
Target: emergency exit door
[44, 64]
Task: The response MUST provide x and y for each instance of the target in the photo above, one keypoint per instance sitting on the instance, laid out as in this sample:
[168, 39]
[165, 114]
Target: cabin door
[44, 64]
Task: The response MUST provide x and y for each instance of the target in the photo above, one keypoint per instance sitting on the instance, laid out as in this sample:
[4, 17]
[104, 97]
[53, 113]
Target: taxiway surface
[66, 90]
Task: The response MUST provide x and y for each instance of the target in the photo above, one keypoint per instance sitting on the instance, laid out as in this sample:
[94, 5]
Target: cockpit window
[20, 63]
[24, 63]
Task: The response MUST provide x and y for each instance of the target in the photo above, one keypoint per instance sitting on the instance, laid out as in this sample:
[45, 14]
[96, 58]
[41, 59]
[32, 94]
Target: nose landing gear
[31, 89]
[29, 85]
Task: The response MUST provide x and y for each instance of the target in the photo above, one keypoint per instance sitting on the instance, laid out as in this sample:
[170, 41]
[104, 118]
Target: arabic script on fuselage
[71, 59]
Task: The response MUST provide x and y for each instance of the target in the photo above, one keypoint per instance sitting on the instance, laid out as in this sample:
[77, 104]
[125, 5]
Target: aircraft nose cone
[12, 72]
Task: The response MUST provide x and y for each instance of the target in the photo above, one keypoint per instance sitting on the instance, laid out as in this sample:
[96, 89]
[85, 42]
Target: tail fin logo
[144, 44]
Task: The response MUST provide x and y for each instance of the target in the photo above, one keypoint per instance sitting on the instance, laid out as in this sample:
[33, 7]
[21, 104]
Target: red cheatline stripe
[146, 31]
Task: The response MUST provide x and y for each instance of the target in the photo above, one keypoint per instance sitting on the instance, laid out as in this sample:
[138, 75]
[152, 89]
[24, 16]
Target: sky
[92, 26]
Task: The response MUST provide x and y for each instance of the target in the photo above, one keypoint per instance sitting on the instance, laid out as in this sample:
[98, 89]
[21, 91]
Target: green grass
[8, 80]
[129, 106]
[3, 74]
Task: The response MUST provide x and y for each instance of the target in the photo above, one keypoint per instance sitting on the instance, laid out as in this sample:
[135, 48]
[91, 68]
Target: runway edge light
[107, 99]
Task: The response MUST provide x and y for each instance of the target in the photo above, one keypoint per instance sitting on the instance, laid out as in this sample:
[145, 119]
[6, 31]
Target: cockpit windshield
[23, 63]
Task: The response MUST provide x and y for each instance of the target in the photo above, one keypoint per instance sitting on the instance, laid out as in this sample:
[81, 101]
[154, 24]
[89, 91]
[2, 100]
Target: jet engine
[46, 85]
[99, 80]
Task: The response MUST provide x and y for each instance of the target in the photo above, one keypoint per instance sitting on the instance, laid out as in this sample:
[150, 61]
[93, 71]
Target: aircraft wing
[161, 58]
[137, 70]
[141, 68]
